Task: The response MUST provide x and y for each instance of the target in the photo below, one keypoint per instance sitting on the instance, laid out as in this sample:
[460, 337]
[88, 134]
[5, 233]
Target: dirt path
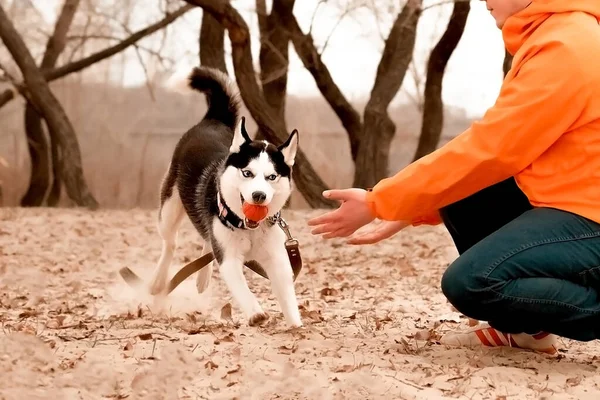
[73, 330]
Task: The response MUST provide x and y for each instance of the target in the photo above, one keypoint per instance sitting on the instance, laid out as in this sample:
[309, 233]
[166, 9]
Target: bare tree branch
[343, 15]
[262, 15]
[417, 79]
[70, 167]
[310, 57]
[212, 43]
[433, 111]
[85, 62]
[312, 19]
[306, 179]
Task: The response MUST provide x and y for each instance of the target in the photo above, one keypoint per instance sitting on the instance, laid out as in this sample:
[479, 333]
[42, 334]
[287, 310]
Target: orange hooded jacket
[544, 128]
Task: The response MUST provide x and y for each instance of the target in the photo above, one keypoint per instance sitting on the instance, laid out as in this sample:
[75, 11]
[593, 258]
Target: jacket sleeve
[534, 108]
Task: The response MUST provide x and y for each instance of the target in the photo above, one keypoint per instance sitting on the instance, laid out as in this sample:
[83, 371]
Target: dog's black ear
[289, 148]
[240, 136]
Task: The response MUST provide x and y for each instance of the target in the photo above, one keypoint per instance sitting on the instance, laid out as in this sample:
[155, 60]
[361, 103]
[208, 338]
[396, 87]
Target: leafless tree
[433, 107]
[40, 95]
[41, 162]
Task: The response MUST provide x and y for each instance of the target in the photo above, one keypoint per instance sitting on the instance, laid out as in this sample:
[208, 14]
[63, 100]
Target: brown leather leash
[291, 246]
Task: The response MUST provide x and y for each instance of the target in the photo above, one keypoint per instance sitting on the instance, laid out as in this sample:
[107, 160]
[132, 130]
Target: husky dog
[215, 168]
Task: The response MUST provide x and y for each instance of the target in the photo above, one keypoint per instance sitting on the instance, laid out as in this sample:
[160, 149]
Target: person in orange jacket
[519, 191]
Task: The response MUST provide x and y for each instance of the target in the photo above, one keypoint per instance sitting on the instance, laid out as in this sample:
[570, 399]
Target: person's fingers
[342, 232]
[342, 194]
[326, 218]
[330, 227]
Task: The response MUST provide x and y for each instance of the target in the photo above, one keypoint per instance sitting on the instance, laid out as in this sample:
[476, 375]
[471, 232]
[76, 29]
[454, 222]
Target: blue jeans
[523, 269]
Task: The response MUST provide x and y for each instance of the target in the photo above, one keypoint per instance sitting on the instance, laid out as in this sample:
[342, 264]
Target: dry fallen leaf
[227, 338]
[311, 314]
[329, 292]
[344, 368]
[28, 314]
[237, 368]
[191, 317]
[226, 312]
[574, 381]
[423, 334]
[53, 324]
[288, 349]
[210, 365]
[380, 322]
[145, 336]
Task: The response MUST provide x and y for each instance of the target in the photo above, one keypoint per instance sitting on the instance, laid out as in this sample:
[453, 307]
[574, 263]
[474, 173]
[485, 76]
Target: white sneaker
[485, 335]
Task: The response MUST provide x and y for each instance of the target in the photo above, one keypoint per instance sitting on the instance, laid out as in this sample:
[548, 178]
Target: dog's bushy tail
[221, 96]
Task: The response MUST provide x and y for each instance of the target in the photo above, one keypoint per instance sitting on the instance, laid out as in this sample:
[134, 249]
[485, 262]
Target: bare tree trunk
[39, 154]
[274, 54]
[212, 43]
[55, 189]
[56, 118]
[41, 163]
[508, 58]
[307, 181]
[76, 66]
[433, 110]
[378, 128]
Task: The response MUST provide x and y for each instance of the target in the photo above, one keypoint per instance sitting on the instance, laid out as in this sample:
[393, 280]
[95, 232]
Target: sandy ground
[72, 329]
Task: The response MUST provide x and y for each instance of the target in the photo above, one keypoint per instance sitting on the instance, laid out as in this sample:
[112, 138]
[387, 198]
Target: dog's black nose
[259, 197]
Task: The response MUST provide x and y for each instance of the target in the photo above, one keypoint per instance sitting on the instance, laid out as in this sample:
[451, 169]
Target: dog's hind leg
[170, 216]
[205, 274]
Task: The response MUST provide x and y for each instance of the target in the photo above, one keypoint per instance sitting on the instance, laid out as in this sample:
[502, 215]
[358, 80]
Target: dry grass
[73, 330]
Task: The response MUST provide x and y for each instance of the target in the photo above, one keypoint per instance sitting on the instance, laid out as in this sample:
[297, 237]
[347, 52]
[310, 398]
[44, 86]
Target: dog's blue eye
[247, 174]
[272, 177]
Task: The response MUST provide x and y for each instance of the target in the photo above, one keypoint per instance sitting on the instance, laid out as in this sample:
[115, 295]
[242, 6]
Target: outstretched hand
[377, 232]
[352, 214]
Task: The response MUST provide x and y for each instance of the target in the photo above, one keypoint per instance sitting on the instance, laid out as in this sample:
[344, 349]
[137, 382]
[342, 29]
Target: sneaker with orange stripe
[484, 335]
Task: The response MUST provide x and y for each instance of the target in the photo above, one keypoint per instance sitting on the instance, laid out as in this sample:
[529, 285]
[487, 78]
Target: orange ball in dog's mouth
[254, 213]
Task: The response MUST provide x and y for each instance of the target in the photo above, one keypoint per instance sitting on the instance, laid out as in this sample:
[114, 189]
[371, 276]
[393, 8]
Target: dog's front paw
[258, 319]
[296, 324]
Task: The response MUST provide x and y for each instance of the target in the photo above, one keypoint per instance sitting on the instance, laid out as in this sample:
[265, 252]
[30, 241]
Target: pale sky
[473, 76]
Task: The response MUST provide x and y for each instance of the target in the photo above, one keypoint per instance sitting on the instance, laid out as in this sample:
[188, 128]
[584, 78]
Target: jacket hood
[521, 25]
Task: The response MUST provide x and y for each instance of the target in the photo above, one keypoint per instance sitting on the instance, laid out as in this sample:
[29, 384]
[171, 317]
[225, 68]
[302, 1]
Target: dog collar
[227, 216]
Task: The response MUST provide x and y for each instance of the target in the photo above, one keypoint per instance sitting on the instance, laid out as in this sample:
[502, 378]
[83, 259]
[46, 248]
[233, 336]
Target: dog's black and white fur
[214, 168]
